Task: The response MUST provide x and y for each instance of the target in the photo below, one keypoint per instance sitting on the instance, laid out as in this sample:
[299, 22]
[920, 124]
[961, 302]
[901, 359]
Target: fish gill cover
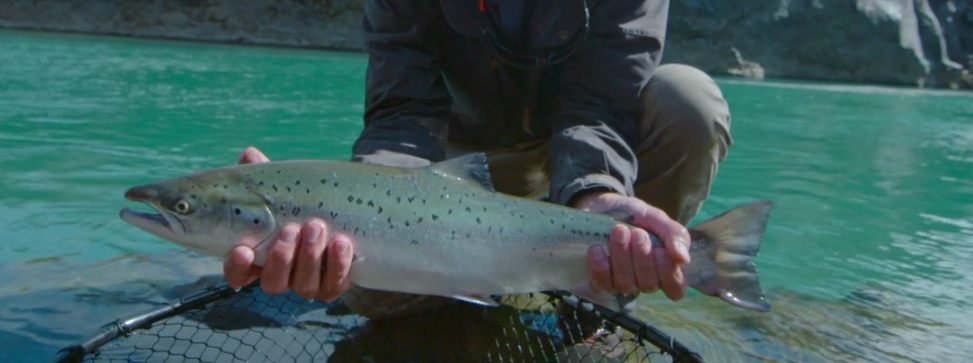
[220, 325]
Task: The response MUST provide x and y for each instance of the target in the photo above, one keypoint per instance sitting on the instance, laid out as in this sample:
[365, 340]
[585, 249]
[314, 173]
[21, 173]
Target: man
[568, 100]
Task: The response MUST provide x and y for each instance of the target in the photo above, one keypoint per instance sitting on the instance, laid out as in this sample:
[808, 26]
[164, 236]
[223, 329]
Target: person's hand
[295, 258]
[631, 265]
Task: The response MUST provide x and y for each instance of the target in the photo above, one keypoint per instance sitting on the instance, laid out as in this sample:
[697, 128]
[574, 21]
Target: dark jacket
[433, 77]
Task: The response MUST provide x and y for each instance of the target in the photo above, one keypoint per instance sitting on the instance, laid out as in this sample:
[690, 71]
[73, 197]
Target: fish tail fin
[722, 265]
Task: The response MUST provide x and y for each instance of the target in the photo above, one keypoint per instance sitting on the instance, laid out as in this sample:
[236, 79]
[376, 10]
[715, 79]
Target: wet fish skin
[438, 230]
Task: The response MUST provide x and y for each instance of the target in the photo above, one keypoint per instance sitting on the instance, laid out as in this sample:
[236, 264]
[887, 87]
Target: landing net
[220, 325]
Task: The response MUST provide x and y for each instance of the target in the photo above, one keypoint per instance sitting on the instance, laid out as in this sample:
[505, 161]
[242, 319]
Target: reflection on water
[867, 255]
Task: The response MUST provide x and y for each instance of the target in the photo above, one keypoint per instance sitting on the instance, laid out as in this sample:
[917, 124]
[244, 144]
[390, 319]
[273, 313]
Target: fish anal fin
[621, 215]
[476, 299]
[470, 168]
[614, 302]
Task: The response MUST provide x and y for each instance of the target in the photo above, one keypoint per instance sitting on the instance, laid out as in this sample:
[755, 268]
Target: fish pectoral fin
[614, 302]
[477, 299]
[470, 168]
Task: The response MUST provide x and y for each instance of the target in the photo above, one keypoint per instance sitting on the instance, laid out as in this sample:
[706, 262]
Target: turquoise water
[868, 256]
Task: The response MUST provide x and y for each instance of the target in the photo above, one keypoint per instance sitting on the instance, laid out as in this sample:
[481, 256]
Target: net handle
[144, 320]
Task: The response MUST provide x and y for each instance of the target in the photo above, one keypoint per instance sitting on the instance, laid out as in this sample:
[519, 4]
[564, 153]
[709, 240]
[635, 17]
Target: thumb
[252, 155]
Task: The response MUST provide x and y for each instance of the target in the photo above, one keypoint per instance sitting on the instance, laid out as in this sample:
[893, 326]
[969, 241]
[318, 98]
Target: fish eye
[181, 207]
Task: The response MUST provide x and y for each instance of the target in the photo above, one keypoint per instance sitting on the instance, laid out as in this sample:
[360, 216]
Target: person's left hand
[631, 264]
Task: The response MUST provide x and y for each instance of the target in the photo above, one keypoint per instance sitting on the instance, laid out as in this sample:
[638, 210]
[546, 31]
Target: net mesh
[220, 325]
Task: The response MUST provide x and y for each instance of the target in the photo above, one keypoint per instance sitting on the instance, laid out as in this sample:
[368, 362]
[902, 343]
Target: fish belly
[418, 262]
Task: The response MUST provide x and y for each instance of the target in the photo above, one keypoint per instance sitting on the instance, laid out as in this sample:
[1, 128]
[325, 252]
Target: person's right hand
[295, 257]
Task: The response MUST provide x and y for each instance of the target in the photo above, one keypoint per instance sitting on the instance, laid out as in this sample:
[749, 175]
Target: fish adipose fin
[470, 168]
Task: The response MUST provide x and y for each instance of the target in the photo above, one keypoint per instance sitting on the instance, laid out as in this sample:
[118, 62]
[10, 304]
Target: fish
[440, 229]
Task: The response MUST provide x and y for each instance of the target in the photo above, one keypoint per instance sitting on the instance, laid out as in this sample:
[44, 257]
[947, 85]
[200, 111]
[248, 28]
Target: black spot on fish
[236, 211]
[193, 196]
[379, 209]
[406, 223]
[297, 182]
[454, 235]
[358, 201]
[468, 210]
[484, 209]
[419, 220]
[389, 220]
[414, 242]
[320, 205]
[288, 189]
[423, 201]
[324, 181]
[411, 198]
[335, 184]
[308, 190]
[398, 199]
[216, 185]
[388, 193]
[521, 216]
[274, 186]
[374, 185]
[435, 217]
[563, 226]
[334, 214]
[371, 204]
[478, 220]
[489, 229]
[552, 222]
[278, 171]
[449, 212]
[356, 231]
[467, 236]
[351, 198]
[296, 211]
[281, 208]
[260, 183]
[501, 229]
[256, 221]
[534, 249]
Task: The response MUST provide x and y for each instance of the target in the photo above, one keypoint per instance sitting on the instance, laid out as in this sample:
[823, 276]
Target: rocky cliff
[925, 43]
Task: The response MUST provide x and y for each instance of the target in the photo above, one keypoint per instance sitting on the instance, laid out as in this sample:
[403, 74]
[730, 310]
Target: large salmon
[438, 230]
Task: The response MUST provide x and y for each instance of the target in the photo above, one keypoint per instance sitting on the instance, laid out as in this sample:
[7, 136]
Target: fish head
[209, 213]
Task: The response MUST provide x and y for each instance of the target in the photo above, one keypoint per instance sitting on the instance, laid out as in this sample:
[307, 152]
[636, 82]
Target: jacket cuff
[564, 194]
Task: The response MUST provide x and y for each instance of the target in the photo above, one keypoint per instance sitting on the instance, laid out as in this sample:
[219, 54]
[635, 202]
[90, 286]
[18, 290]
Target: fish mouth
[158, 224]
[131, 216]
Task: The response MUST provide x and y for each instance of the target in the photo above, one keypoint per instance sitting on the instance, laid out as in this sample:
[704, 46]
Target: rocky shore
[920, 43]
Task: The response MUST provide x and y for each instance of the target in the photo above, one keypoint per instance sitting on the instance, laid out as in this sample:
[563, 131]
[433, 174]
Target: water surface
[867, 258]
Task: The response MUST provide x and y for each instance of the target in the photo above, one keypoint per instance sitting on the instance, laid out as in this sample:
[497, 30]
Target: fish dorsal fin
[471, 168]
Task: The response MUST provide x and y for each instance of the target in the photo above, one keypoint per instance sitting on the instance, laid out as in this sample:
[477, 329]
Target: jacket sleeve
[406, 101]
[595, 129]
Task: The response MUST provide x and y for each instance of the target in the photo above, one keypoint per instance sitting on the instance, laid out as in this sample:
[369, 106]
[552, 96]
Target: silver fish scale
[419, 232]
